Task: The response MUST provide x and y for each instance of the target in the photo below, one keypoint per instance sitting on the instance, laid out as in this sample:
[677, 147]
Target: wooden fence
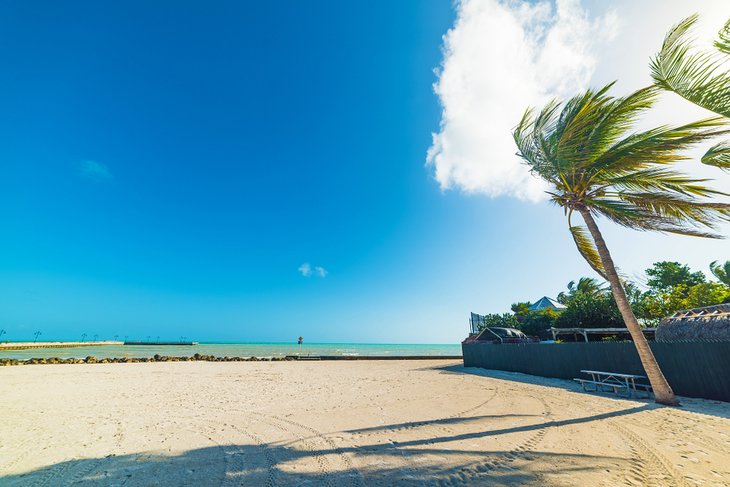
[693, 369]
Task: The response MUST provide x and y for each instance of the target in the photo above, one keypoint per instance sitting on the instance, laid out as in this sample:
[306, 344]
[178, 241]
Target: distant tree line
[669, 287]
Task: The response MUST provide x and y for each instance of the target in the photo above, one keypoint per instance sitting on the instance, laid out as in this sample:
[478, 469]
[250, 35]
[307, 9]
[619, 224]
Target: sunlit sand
[355, 423]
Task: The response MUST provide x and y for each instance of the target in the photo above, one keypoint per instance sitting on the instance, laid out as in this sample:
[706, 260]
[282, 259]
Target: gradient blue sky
[168, 168]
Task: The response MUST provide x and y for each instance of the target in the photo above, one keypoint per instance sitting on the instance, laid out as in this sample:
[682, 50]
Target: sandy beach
[349, 423]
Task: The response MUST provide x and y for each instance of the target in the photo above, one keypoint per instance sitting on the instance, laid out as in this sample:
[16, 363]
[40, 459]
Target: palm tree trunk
[662, 391]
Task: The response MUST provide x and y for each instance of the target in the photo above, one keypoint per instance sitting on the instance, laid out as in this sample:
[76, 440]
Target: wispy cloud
[320, 271]
[94, 170]
[499, 58]
[307, 270]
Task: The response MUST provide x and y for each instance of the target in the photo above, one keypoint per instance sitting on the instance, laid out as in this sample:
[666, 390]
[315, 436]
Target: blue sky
[168, 169]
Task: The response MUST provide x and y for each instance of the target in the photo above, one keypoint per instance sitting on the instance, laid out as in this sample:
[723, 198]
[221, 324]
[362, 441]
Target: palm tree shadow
[437, 422]
[276, 465]
[699, 406]
[291, 463]
[515, 377]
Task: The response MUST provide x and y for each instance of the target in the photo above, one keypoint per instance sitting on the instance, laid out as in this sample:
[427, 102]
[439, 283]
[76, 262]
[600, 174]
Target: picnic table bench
[603, 381]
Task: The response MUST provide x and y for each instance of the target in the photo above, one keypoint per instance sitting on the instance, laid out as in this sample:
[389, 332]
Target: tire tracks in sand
[234, 455]
[474, 473]
[315, 442]
[648, 467]
[73, 470]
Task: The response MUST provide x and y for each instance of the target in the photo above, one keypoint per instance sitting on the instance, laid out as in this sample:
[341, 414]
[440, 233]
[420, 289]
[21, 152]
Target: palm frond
[662, 145]
[656, 179]
[527, 136]
[587, 249]
[721, 271]
[625, 214]
[686, 231]
[718, 155]
[586, 149]
[581, 115]
[698, 77]
[679, 209]
[620, 117]
[663, 213]
[723, 39]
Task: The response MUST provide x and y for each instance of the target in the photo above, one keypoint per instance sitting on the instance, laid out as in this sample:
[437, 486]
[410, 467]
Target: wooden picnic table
[601, 380]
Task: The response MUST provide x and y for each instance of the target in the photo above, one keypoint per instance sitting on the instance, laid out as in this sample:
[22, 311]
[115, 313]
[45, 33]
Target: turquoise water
[237, 350]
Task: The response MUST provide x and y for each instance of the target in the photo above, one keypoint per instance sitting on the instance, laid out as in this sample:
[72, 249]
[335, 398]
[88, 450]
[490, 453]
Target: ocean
[260, 350]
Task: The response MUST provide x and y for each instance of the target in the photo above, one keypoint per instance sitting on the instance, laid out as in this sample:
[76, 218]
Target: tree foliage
[721, 271]
[591, 311]
[674, 287]
[535, 323]
[657, 305]
[671, 287]
[521, 308]
[585, 285]
[665, 275]
[697, 76]
[505, 320]
[590, 153]
[700, 77]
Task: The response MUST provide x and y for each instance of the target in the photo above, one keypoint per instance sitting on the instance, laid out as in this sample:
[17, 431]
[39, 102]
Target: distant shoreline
[212, 358]
[80, 350]
[29, 345]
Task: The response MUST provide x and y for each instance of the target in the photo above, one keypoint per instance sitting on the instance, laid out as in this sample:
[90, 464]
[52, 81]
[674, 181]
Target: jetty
[29, 345]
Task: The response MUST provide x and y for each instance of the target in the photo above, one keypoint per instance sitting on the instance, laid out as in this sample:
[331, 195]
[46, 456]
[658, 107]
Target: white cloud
[499, 58]
[307, 270]
[94, 170]
[321, 271]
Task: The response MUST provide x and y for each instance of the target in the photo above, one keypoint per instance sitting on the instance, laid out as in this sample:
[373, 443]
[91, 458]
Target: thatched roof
[709, 323]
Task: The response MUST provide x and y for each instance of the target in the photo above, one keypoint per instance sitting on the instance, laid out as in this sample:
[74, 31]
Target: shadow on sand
[699, 406]
[297, 463]
[250, 465]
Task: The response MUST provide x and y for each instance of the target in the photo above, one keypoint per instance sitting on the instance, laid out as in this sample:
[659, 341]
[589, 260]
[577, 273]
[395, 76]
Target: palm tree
[596, 167]
[585, 285]
[721, 271]
[700, 77]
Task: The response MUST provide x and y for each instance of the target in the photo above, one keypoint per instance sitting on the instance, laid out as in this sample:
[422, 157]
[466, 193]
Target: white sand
[342, 423]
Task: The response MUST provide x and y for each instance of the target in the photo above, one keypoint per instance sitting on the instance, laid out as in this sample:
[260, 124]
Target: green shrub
[590, 311]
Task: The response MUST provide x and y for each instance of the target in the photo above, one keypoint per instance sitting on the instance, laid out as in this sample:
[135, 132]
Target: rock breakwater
[126, 360]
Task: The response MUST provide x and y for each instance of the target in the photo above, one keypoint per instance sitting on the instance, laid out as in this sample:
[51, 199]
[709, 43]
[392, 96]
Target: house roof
[545, 302]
